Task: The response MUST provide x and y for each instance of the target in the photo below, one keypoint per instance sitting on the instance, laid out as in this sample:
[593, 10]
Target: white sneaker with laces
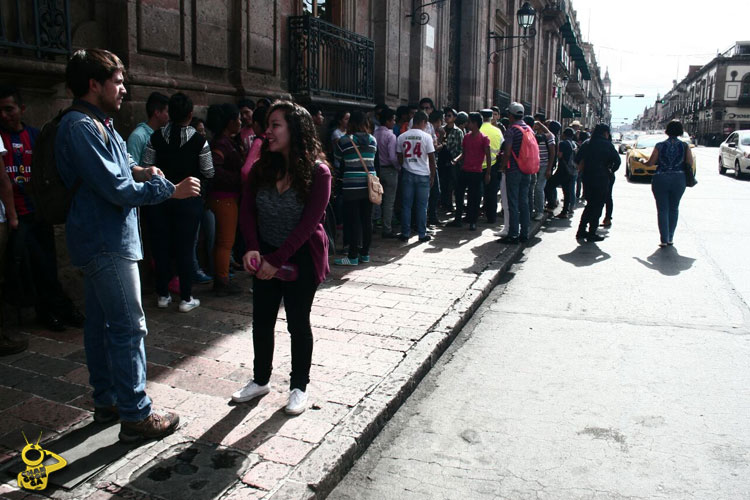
[163, 302]
[297, 402]
[187, 306]
[250, 391]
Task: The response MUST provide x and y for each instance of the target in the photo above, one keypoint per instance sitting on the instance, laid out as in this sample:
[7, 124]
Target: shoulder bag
[374, 188]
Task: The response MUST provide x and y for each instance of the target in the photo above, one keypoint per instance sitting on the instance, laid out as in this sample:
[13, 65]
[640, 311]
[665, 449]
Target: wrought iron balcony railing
[38, 26]
[326, 60]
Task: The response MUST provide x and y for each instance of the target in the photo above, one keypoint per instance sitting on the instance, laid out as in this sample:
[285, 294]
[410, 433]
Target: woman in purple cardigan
[281, 218]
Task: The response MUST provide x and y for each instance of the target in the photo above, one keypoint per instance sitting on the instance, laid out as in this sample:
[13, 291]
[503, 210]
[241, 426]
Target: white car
[734, 153]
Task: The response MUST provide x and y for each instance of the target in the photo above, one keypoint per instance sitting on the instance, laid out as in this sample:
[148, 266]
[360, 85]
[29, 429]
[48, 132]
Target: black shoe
[403, 237]
[433, 222]
[106, 414]
[580, 235]
[472, 227]
[591, 238]
[10, 346]
[389, 236]
[523, 239]
[424, 238]
[74, 318]
[508, 240]
[562, 215]
[225, 288]
[454, 223]
[52, 322]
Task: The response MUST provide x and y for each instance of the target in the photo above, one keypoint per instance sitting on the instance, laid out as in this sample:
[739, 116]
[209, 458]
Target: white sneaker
[250, 391]
[187, 306]
[297, 402]
[163, 302]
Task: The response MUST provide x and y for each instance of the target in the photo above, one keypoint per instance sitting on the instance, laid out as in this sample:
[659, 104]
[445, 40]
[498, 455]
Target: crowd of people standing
[254, 187]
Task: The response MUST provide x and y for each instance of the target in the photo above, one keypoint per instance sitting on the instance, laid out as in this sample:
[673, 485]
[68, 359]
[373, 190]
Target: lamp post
[526, 16]
[564, 82]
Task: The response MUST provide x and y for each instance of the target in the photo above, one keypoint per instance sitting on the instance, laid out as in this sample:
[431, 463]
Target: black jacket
[600, 160]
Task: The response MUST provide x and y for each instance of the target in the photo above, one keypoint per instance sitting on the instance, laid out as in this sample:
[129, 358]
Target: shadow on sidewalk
[203, 468]
[667, 261]
[585, 254]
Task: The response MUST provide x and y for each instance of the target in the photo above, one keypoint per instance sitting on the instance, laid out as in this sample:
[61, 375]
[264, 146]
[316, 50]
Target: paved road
[606, 371]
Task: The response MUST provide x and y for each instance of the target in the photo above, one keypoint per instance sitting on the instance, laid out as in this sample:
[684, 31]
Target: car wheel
[722, 168]
[628, 175]
[737, 171]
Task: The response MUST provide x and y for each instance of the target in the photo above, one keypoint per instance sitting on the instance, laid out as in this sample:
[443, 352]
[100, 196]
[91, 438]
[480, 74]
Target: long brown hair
[305, 152]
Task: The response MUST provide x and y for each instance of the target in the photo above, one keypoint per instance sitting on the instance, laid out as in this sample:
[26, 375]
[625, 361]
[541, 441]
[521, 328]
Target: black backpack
[52, 198]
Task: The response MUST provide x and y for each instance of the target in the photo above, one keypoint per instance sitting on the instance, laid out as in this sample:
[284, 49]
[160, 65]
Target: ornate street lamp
[526, 16]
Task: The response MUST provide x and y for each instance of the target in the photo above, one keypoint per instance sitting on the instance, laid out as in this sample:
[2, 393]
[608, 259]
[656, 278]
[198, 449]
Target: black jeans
[358, 225]
[172, 225]
[298, 298]
[471, 181]
[490, 194]
[32, 268]
[596, 196]
[447, 183]
[610, 203]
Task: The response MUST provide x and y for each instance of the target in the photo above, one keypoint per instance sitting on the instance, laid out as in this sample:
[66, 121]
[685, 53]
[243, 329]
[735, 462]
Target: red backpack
[528, 156]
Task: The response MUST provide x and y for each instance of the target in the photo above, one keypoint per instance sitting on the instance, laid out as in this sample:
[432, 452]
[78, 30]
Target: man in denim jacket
[103, 240]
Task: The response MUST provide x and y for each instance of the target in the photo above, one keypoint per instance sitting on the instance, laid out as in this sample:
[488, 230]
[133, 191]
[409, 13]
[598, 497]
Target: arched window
[745, 87]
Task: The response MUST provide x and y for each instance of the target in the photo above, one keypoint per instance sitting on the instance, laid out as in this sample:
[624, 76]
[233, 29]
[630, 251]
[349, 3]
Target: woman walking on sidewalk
[281, 218]
[668, 184]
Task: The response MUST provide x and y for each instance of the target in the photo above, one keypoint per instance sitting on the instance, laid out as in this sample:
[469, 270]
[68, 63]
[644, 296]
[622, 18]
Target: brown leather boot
[155, 426]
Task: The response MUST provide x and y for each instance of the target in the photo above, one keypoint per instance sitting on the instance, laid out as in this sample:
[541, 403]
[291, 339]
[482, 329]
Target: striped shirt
[349, 170]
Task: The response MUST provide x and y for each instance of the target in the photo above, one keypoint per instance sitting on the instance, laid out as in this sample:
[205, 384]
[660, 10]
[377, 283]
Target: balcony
[328, 61]
[38, 27]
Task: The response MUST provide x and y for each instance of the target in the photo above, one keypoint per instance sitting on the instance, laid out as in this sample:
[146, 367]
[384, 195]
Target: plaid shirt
[454, 141]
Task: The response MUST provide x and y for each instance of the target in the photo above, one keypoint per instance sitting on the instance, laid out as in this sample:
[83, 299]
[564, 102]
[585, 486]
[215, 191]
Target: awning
[570, 112]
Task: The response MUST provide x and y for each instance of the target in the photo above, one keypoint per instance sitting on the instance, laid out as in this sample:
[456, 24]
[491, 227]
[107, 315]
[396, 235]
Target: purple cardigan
[309, 230]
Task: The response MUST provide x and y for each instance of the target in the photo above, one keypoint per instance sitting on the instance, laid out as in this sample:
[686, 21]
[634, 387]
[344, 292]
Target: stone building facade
[344, 53]
[712, 101]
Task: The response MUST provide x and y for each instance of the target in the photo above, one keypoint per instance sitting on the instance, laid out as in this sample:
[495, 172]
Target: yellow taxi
[639, 154]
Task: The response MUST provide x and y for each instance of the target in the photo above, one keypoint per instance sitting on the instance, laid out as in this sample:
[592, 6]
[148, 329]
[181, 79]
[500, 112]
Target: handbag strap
[361, 160]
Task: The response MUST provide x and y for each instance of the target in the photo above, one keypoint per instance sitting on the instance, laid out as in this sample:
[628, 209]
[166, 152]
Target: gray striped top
[278, 214]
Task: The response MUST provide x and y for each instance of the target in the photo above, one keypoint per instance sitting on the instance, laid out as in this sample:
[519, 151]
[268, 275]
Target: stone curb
[325, 466]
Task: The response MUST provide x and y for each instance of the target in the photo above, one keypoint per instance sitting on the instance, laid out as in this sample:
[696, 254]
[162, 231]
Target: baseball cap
[516, 109]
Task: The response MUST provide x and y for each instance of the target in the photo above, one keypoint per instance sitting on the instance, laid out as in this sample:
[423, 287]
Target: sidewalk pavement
[378, 329]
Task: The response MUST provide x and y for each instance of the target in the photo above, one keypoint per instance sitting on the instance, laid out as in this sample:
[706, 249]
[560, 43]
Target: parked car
[641, 151]
[734, 153]
[626, 143]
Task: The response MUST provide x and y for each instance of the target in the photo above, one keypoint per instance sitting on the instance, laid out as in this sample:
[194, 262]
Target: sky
[647, 44]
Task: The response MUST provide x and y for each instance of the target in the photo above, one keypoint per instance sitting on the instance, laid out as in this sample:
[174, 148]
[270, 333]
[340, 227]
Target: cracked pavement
[616, 371]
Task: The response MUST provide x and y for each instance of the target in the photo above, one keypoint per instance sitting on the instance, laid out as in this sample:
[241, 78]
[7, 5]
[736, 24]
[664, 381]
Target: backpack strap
[90, 114]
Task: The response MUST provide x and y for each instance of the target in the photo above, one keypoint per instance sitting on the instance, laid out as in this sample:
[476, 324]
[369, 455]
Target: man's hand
[432, 179]
[187, 188]
[141, 174]
[247, 261]
[548, 173]
[487, 177]
[13, 221]
[266, 271]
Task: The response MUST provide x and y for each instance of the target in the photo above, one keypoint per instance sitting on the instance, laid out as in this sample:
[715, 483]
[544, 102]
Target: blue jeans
[113, 335]
[415, 190]
[569, 191]
[541, 183]
[668, 189]
[518, 202]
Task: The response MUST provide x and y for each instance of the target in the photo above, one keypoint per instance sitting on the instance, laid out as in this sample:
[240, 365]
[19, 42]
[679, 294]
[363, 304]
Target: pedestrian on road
[179, 152]
[491, 167]
[416, 154]
[597, 159]
[104, 241]
[282, 217]
[668, 185]
[351, 151]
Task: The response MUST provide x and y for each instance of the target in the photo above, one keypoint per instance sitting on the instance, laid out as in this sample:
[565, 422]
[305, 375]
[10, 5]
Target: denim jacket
[102, 216]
